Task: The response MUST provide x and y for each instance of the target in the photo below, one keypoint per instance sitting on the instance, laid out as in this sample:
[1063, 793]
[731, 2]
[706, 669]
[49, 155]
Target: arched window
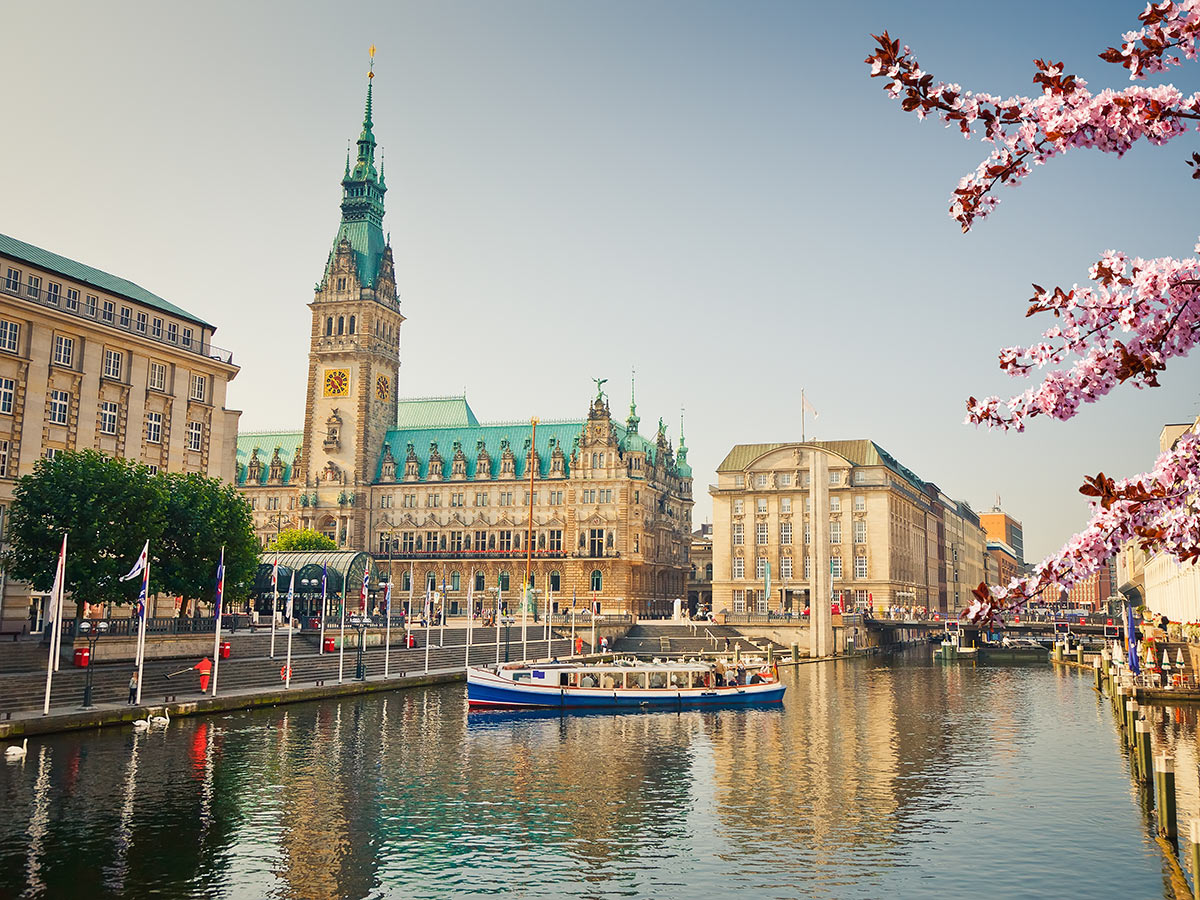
[555, 581]
[480, 584]
[329, 326]
[708, 572]
[405, 581]
[352, 324]
[431, 581]
[341, 324]
[504, 581]
[455, 581]
[597, 581]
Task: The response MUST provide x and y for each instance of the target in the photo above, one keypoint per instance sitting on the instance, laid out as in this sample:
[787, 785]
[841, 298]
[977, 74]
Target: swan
[141, 724]
[12, 751]
[164, 720]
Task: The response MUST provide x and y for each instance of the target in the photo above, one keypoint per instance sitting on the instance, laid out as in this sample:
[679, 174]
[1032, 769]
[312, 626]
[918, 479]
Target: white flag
[808, 407]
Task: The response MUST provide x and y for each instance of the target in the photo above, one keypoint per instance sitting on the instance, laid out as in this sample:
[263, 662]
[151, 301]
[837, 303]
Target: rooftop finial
[634, 419]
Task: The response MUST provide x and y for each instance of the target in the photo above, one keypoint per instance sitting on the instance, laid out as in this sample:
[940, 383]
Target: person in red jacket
[204, 667]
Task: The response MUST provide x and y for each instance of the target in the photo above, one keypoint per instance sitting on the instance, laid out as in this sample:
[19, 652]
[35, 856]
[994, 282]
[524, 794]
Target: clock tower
[354, 355]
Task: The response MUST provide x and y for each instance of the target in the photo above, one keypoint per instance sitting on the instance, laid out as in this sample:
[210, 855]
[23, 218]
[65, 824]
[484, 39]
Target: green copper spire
[362, 200]
[681, 463]
[634, 419]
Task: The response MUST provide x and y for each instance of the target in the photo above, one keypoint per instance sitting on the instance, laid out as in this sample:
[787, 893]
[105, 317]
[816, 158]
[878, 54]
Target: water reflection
[876, 777]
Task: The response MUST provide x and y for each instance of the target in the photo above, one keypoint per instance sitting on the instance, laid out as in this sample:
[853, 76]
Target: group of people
[907, 613]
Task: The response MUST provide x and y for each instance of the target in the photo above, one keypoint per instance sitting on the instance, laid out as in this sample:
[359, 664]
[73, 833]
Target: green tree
[202, 516]
[108, 508]
[301, 539]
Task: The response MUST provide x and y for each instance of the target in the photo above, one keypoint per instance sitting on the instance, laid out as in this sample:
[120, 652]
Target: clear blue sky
[715, 193]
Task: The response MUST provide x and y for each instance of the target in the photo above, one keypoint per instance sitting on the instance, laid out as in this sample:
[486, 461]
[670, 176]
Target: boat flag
[1135, 665]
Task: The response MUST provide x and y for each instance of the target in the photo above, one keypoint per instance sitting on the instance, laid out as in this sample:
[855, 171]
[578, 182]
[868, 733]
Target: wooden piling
[795, 653]
[1098, 675]
[1079, 654]
[1164, 788]
[1145, 754]
[1131, 714]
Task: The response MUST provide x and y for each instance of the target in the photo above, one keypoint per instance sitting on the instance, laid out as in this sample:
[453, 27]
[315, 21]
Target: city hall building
[425, 486]
[92, 361]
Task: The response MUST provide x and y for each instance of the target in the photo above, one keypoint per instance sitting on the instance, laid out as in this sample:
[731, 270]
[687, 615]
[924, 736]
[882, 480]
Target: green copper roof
[492, 436]
[434, 412]
[102, 281]
[859, 453]
[265, 442]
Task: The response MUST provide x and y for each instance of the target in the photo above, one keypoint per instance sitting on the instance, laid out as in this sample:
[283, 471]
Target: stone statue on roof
[600, 382]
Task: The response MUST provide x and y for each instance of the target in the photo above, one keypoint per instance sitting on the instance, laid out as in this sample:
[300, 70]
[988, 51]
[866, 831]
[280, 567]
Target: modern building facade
[893, 539]
[999, 526]
[427, 488]
[89, 360]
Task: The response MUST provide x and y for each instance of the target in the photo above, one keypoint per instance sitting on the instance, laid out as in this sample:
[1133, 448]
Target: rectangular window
[761, 479]
[556, 498]
[739, 601]
[739, 480]
[172, 332]
[53, 291]
[10, 334]
[409, 501]
[156, 328]
[808, 532]
[555, 543]
[433, 500]
[195, 436]
[456, 543]
[760, 534]
[89, 305]
[505, 540]
[835, 566]
[835, 532]
[860, 531]
[34, 286]
[154, 422]
[72, 300]
[385, 502]
[141, 322]
[835, 504]
[151, 469]
[835, 477]
[126, 313]
[807, 567]
[808, 504]
[112, 364]
[760, 568]
[457, 499]
[408, 541]
[596, 541]
[51, 452]
[8, 392]
[199, 387]
[739, 534]
[481, 498]
[739, 567]
[108, 418]
[785, 567]
[860, 567]
[108, 311]
[761, 601]
[525, 501]
[785, 479]
[506, 498]
[64, 351]
[60, 407]
[158, 377]
[738, 507]
[785, 505]
[785, 533]
[3, 459]
[12, 281]
[860, 503]
[480, 540]
[187, 337]
[761, 506]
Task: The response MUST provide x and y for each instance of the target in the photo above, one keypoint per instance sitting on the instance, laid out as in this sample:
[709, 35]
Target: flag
[56, 592]
[387, 600]
[1135, 665]
[366, 582]
[324, 577]
[141, 567]
[275, 574]
[808, 407]
[291, 594]
[220, 586]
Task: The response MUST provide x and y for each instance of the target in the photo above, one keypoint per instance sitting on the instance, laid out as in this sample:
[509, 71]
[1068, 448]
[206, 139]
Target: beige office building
[894, 540]
[89, 360]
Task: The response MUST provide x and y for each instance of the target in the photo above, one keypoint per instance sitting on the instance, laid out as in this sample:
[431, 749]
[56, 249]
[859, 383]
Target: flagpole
[291, 611]
[499, 596]
[525, 624]
[572, 627]
[387, 640]
[802, 415]
[55, 620]
[217, 616]
[58, 613]
[470, 620]
[342, 640]
[442, 617]
[593, 647]
[145, 603]
[408, 619]
[321, 639]
[274, 602]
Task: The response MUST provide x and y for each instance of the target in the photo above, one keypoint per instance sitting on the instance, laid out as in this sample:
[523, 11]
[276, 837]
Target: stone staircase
[675, 639]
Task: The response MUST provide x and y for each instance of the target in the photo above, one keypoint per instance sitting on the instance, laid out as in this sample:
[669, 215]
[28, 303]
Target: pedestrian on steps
[133, 688]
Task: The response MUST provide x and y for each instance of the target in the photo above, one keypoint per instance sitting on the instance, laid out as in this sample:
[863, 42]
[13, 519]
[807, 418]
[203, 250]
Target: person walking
[133, 683]
[204, 667]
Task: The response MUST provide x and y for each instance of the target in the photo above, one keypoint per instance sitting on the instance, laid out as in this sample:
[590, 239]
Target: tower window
[329, 326]
[341, 284]
[341, 324]
[352, 324]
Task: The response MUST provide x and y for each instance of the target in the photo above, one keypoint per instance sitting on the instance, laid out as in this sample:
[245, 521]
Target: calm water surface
[897, 777]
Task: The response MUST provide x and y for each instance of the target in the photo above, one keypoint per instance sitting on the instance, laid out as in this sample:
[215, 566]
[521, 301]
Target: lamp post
[361, 622]
[308, 587]
[92, 631]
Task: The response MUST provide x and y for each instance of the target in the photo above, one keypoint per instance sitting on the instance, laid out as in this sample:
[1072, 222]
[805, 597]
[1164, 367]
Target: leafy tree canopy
[301, 539]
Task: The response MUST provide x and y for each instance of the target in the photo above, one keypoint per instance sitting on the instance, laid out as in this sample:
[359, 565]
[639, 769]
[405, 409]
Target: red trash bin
[82, 655]
[225, 649]
[329, 648]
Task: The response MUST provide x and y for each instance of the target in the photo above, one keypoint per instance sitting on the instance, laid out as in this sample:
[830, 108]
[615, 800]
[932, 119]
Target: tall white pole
[525, 623]
[470, 619]
[387, 640]
[324, 609]
[274, 602]
[217, 625]
[442, 614]
[572, 629]
[546, 612]
[499, 594]
[428, 610]
[342, 640]
[142, 626]
[56, 593]
[291, 611]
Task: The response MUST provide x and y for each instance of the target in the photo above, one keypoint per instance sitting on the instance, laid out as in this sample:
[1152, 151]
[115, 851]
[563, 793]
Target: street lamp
[92, 631]
[361, 622]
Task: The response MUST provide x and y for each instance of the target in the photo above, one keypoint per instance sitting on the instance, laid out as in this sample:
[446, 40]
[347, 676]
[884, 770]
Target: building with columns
[430, 490]
[89, 360]
[890, 539]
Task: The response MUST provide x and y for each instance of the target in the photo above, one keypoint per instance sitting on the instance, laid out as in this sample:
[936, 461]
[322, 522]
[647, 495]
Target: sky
[714, 194]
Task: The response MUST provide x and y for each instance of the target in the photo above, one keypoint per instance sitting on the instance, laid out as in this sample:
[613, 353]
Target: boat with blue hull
[619, 684]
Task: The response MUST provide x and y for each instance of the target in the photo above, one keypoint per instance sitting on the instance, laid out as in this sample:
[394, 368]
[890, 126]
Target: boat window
[522, 676]
[564, 679]
[635, 679]
[608, 682]
[697, 679]
[587, 680]
[658, 679]
[677, 678]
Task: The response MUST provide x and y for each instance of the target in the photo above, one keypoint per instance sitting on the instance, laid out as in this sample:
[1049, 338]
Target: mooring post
[1164, 786]
[1099, 675]
[1145, 754]
[1131, 714]
[1058, 651]
[770, 654]
[795, 653]
[1194, 842]
[1079, 654]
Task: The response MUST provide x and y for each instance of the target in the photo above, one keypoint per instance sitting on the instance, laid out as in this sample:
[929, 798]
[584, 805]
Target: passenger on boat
[719, 670]
[658, 680]
[587, 681]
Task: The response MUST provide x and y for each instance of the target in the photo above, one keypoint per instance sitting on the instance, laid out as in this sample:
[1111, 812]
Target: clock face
[337, 382]
[382, 387]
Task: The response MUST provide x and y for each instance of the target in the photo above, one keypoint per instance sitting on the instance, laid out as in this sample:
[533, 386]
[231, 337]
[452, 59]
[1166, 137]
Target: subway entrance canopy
[343, 567]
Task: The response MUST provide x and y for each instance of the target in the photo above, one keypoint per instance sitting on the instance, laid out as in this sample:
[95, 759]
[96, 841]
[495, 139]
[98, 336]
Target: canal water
[882, 777]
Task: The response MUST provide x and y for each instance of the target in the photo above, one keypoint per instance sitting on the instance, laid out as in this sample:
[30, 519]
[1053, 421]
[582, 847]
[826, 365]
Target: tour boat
[617, 684]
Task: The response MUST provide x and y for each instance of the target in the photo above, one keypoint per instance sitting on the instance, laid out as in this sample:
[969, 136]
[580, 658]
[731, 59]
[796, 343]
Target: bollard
[1194, 841]
[1144, 755]
[737, 651]
[795, 653]
[1164, 787]
[770, 654]
[1131, 714]
[1098, 674]
[1057, 651]
[1079, 654]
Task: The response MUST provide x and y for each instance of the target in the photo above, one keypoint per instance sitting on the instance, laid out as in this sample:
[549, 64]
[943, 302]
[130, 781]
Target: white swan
[14, 752]
[141, 724]
[164, 720]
